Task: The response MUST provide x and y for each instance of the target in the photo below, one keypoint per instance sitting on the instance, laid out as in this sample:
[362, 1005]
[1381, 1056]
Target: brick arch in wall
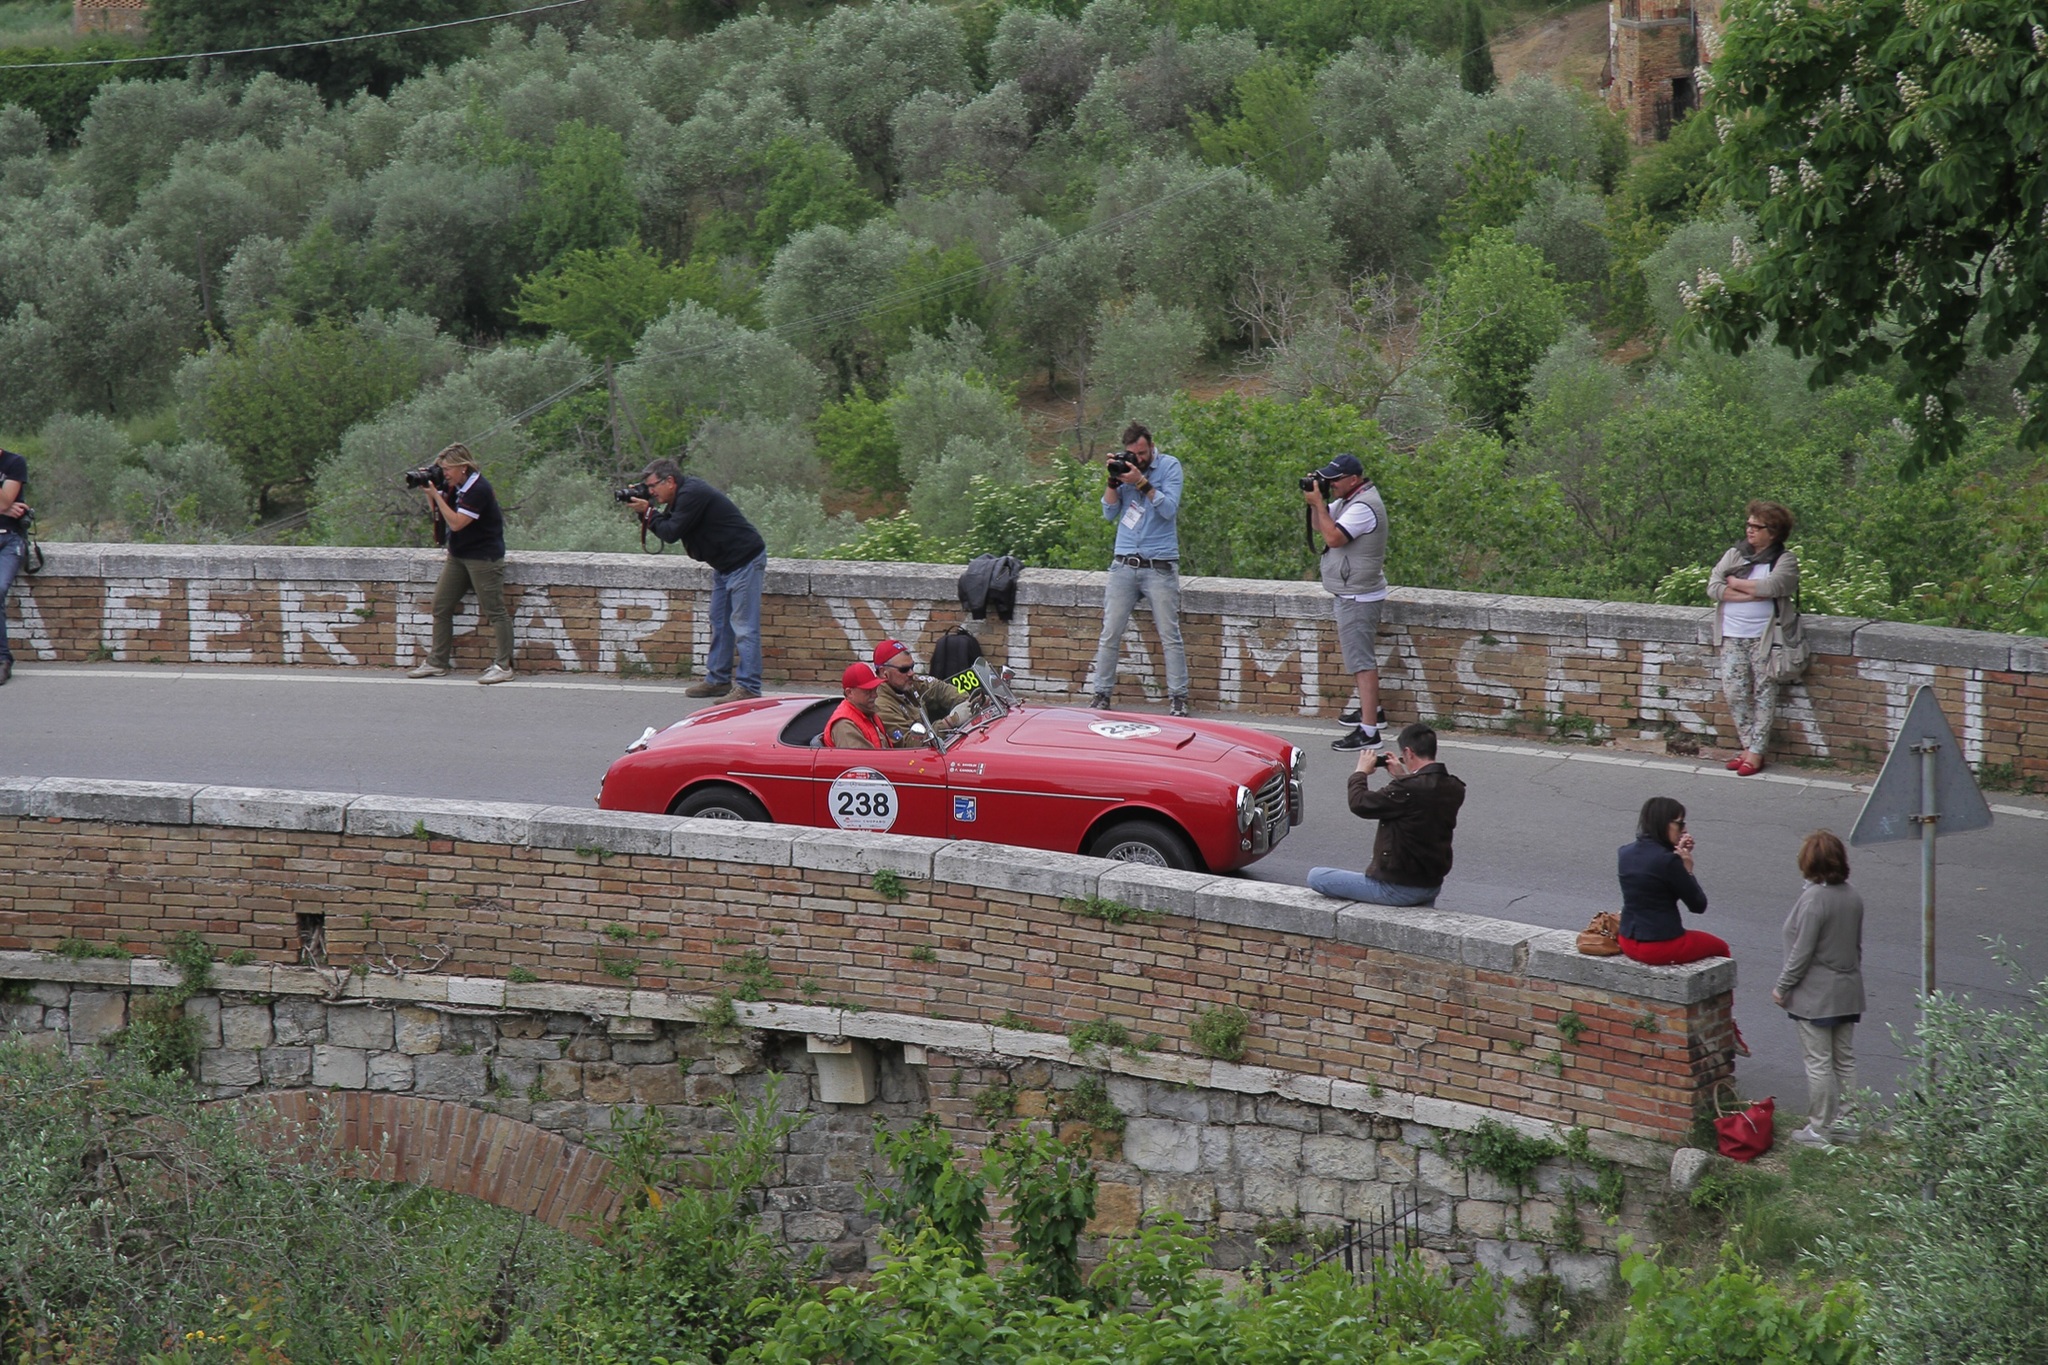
[404, 1139]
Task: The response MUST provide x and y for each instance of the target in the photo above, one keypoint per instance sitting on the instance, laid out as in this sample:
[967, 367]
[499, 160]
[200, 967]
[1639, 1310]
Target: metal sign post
[1927, 787]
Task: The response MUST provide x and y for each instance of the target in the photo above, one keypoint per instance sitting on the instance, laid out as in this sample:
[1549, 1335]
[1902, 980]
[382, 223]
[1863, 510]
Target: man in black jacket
[1417, 811]
[716, 532]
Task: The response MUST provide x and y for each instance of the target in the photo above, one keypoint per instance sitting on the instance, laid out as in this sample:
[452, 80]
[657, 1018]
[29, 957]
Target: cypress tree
[1475, 61]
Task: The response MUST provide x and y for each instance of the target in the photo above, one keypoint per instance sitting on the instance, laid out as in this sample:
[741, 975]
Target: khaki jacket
[1781, 585]
[897, 712]
[1823, 973]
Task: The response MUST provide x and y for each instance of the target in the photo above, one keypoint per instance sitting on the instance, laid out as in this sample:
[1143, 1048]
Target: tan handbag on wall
[1601, 937]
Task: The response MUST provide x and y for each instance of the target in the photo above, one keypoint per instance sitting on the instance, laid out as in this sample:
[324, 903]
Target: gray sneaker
[1100, 701]
[496, 673]
[427, 671]
[1807, 1137]
[1178, 706]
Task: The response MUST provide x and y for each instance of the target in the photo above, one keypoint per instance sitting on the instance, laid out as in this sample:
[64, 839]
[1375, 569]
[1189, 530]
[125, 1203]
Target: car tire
[1146, 842]
[720, 803]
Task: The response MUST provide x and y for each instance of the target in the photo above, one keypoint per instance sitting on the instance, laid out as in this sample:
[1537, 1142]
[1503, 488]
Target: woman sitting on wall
[1756, 585]
[1656, 875]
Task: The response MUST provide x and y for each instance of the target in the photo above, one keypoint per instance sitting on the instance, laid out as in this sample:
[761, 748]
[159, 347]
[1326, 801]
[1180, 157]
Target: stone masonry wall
[396, 1078]
[1461, 659]
[1423, 1015]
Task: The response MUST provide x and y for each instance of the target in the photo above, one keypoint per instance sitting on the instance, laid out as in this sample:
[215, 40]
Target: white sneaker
[428, 671]
[496, 673]
[1807, 1137]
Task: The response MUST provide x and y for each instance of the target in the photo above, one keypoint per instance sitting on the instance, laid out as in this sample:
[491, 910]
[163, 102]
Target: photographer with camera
[1354, 530]
[714, 531]
[14, 520]
[1417, 811]
[467, 521]
[1143, 499]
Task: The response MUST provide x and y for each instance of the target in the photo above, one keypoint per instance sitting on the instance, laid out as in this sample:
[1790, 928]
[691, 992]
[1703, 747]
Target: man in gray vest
[1353, 525]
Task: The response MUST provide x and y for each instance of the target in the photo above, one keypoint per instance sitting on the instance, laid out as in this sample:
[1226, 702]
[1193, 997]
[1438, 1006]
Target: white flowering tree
[1893, 155]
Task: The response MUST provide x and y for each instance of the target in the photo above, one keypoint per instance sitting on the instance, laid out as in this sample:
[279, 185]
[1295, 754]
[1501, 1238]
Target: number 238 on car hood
[1192, 794]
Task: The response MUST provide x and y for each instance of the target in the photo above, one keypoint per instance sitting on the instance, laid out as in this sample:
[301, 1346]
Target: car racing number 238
[861, 798]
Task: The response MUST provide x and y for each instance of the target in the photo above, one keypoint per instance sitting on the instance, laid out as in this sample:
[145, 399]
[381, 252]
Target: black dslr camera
[633, 491]
[1315, 481]
[1118, 467]
[426, 476]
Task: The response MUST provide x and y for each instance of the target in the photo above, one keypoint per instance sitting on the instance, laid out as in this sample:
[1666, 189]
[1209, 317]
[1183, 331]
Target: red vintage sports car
[1196, 795]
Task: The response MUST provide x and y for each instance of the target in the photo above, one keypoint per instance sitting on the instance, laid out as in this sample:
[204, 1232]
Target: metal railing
[1362, 1248]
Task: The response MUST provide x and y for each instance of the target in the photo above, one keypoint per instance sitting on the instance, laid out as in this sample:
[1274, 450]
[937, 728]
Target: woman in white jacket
[1821, 984]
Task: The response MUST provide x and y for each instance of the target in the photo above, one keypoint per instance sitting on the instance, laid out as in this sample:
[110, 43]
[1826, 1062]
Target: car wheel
[1146, 842]
[720, 803]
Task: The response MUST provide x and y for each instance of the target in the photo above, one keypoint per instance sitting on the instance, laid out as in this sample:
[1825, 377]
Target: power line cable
[288, 47]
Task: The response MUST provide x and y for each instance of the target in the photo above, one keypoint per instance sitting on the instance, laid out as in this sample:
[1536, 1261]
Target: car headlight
[1246, 810]
[1297, 788]
[1297, 763]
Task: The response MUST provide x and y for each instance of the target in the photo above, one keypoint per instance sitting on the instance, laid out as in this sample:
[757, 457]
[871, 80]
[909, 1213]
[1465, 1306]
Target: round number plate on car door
[862, 798]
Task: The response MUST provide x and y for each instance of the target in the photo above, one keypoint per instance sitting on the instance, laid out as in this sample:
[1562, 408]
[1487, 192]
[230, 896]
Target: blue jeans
[1161, 590]
[1356, 886]
[13, 553]
[736, 624]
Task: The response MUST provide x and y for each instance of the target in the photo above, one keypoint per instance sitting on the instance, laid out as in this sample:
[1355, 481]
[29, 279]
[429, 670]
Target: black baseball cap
[1343, 466]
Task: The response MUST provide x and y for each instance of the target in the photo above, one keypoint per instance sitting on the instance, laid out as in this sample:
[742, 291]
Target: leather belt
[1140, 562]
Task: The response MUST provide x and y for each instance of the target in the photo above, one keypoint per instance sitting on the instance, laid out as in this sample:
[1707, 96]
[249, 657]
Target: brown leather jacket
[1417, 816]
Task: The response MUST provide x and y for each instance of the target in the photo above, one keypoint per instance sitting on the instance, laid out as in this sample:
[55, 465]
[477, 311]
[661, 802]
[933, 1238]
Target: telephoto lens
[632, 491]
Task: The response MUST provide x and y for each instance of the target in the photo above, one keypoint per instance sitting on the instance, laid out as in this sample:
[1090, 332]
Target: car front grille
[1273, 823]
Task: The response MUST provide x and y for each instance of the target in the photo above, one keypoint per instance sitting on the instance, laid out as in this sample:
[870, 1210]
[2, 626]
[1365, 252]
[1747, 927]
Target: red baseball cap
[860, 676]
[888, 650]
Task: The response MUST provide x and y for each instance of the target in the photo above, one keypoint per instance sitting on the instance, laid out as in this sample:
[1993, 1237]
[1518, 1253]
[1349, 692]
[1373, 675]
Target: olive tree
[864, 61]
[91, 318]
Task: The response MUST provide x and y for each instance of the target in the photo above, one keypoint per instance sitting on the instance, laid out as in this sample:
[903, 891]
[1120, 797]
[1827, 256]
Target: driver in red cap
[910, 697]
[852, 725]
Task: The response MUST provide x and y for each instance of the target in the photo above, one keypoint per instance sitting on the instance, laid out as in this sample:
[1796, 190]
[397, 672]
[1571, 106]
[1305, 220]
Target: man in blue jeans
[13, 542]
[1417, 811]
[1143, 499]
[715, 531]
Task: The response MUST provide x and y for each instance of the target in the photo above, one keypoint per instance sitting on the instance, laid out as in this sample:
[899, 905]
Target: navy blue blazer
[1653, 882]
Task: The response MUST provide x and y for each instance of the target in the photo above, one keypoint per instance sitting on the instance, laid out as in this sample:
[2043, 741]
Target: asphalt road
[1535, 844]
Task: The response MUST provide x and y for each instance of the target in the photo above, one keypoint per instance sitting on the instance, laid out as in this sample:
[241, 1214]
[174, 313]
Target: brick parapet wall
[1470, 660]
[1424, 1015]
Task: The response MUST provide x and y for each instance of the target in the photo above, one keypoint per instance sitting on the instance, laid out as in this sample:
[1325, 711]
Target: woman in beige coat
[1755, 587]
[1821, 985]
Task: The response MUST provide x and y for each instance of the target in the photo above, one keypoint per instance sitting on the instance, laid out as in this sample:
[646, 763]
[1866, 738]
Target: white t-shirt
[1748, 618]
[1356, 518]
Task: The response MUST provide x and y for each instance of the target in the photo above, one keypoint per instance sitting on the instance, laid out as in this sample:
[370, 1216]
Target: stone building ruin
[1654, 47]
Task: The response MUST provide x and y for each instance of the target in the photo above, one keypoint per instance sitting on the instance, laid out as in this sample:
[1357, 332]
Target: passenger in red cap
[852, 725]
[912, 697]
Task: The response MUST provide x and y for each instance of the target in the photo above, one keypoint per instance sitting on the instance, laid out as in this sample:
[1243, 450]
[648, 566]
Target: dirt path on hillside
[1569, 46]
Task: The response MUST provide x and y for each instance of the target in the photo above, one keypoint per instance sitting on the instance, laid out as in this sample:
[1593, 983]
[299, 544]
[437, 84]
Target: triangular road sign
[1896, 798]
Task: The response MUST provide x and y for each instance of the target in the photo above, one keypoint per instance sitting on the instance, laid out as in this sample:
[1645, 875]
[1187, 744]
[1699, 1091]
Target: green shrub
[1735, 1317]
[1220, 1031]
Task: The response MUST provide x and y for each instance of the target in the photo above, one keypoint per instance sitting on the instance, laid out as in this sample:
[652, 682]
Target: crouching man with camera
[467, 521]
[715, 531]
[1417, 811]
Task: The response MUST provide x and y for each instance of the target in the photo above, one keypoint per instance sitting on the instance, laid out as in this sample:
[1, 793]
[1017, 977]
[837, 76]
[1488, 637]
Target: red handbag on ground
[1745, 1136]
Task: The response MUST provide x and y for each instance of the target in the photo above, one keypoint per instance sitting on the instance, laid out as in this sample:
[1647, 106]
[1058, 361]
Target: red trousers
[1690, 946]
